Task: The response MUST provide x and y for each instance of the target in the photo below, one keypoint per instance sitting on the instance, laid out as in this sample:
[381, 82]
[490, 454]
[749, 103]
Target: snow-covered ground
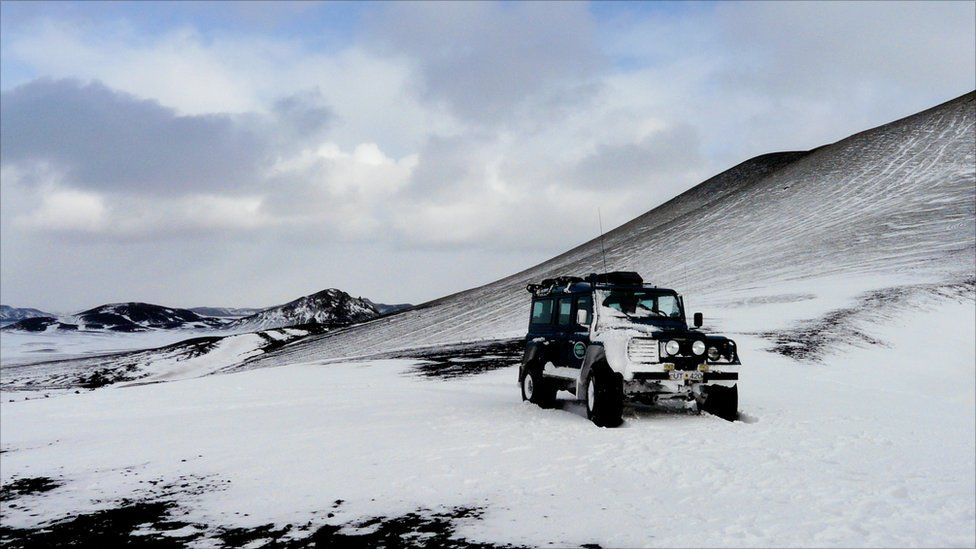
[873, 446]
[18, 347]
[197, 353]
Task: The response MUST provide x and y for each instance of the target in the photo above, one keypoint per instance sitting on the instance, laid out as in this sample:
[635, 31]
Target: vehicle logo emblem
[579, 349]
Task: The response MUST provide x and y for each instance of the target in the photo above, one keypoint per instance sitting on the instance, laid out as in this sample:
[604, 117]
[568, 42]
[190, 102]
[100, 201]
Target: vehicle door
[564, 328]
[577, 334]
[542, 326]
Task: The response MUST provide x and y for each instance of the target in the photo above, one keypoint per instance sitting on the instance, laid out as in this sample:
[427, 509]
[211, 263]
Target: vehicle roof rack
[548, 284]
[617, 278]
[613, 278]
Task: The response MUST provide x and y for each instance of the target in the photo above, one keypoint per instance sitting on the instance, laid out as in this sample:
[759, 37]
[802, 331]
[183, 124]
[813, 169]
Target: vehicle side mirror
[699, 320]
[583, 317]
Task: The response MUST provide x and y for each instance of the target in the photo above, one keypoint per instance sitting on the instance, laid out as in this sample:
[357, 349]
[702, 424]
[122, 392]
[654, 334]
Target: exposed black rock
[26, 487]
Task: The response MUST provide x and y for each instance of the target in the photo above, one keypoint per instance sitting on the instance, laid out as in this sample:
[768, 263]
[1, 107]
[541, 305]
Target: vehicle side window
[542, 312]
[565, 311]
[585, 303]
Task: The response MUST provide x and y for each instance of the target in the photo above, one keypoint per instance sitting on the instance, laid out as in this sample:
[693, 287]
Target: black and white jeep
[610, 337]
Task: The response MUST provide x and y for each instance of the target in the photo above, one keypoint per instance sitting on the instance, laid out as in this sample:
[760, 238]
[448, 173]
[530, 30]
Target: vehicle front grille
[643, 350]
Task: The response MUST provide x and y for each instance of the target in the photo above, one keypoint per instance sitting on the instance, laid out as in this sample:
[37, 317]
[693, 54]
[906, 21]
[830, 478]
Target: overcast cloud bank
[235, 158]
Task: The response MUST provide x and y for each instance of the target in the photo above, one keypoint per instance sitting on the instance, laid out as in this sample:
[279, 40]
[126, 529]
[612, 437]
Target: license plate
[685, 376]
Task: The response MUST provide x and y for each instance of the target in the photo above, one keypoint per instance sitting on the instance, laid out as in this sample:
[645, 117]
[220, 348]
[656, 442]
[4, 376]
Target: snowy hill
[889, 206]
[13, 314]
[134, 316]
[330, 307]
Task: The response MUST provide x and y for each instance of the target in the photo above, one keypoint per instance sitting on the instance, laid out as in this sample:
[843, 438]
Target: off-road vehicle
[609, 337]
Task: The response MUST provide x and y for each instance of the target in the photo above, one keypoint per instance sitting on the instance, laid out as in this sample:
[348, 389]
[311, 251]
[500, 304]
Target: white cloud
[67, 210]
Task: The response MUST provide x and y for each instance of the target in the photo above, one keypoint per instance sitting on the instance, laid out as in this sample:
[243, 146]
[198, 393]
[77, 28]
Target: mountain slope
[331, 307]
[225, 312]
[895, 201]
[388, 308]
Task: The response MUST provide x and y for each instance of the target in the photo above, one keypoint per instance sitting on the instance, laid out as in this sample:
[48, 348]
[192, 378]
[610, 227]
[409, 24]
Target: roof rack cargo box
[620, 278]
[548, 284]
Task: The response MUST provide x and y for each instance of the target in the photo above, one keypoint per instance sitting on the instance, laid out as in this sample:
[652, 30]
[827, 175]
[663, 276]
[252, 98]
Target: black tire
[537, 389]
[605, 402]
[722, 402]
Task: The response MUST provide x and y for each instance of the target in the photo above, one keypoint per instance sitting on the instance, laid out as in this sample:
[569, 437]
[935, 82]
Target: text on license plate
[685, 376]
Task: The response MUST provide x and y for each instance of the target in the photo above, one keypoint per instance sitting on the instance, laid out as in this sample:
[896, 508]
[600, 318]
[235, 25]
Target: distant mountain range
[120, 317]
[329, 307]
[13, 314]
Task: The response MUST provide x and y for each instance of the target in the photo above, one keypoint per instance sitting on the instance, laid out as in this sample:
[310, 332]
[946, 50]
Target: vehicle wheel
[604, 398]
[538, 390]
[722, 402]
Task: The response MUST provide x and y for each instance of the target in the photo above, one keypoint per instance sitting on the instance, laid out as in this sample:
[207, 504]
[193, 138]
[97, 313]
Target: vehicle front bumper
[706, 376]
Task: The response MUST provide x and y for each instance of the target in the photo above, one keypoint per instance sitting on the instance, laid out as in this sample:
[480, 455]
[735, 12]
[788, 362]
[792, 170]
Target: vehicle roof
[586, 287]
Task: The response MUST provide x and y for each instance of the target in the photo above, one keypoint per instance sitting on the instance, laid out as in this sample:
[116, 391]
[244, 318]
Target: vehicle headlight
[698, 347]
[713, 354]
[672, 347]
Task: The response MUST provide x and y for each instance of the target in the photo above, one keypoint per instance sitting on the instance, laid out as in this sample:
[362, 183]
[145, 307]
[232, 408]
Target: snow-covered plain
[872, 447]
[28, 347]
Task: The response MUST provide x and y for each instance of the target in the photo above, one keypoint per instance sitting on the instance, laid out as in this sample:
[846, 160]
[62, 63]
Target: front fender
[536, 351]
[595, 354]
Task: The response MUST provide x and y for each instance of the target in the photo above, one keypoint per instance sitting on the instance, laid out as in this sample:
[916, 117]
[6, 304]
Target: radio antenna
[602, 248]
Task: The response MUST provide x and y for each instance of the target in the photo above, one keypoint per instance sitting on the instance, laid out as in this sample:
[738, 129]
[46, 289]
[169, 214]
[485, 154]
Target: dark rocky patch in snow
[151, 523]
[465, 359]
[26, 487]
[422, 528]
[418, 529]
[117, 527]
[812, 339]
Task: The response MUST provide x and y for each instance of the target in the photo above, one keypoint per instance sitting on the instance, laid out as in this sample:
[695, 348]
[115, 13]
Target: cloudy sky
[246, 154]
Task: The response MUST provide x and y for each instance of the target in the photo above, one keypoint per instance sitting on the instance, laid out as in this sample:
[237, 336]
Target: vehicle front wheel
[604, 399]
[538, 390]
[722, 402]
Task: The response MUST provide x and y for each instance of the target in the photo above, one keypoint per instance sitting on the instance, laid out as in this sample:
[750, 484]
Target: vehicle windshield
[645, 305]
